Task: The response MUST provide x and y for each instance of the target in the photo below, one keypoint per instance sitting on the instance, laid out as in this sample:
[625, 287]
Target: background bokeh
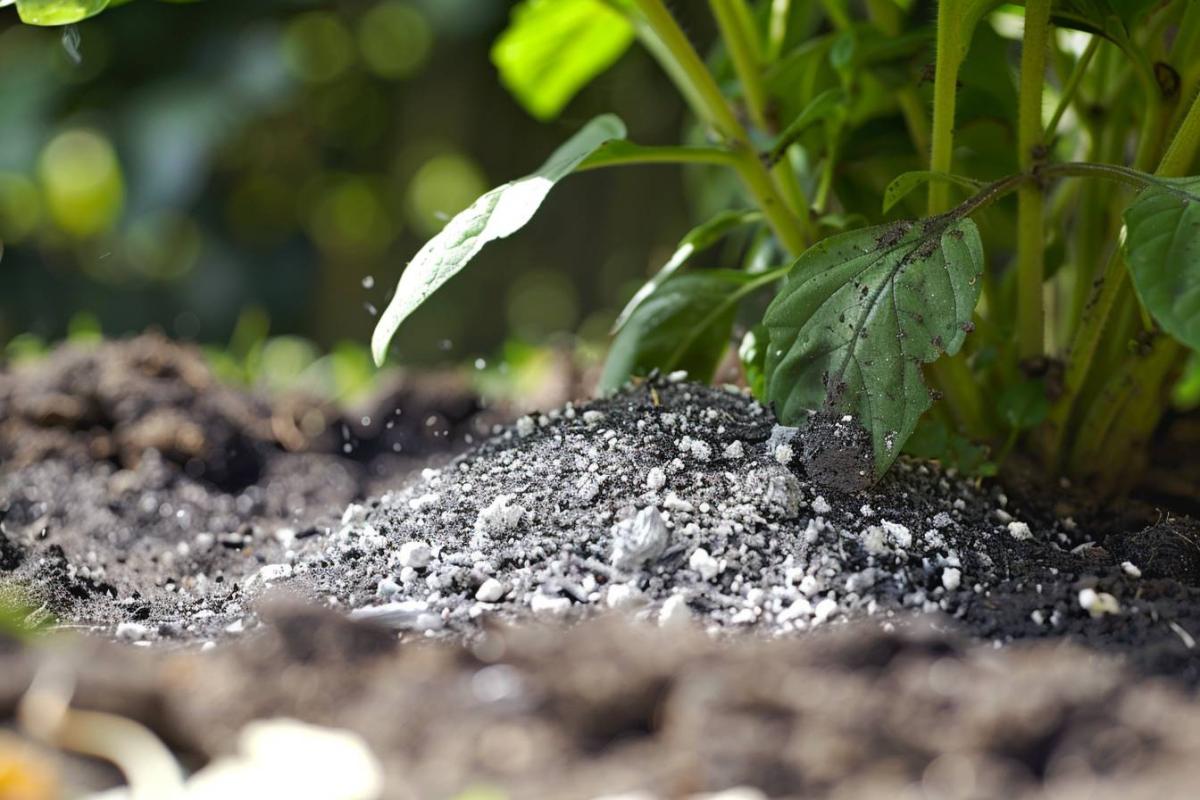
[229, 171]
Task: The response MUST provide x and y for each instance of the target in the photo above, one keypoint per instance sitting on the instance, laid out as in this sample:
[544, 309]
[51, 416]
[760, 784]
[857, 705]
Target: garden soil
[663, 591]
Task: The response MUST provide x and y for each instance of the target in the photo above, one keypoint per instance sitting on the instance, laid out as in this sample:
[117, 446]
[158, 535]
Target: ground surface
[144, 501]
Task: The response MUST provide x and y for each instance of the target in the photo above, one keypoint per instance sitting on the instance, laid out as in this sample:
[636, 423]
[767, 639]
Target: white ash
[577, 520]
[1019, 531]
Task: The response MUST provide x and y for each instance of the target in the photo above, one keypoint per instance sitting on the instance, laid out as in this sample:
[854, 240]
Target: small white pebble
[820, 505]
[678, 376]
[735, 450]
[1131, 569]
[1098, 603]
[593, 417]
[784, 454]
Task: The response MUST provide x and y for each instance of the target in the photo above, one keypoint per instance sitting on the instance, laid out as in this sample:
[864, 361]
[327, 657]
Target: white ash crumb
[678, 376]
[824, 610]
[275, 572]
[593, 417]
[132, 631]
[703, 563]
[1131, 569]
[499, 517]
[638, 540]
[1098, 603]
[525, 426]
[821, 506]
[1038, 617]
[655, 479]
[623, 596]
[951, 578]
[415, 554]
[784, 454]
[866, 510]
[543, 605]
[735, 450]
[1019, 531]
[674, 611]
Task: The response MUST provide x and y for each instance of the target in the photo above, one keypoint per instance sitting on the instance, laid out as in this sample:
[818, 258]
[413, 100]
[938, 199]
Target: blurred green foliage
[176, 164]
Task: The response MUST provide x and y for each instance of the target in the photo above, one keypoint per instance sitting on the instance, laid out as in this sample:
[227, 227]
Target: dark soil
[143, 500]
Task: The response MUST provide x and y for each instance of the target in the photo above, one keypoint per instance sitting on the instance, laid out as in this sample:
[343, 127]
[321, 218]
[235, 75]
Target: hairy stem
[1031, 235]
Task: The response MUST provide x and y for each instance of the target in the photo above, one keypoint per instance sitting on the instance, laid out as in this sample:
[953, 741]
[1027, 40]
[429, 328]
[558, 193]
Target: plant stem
[1031, 234]
[1178, 159]
[1072, 86]
[745, 60]
[685, 66]
[733, 23]
[945, 91]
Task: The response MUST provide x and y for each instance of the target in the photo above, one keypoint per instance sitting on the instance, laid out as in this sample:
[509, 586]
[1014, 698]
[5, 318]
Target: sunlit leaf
[904, 184]
[58, 12]
[684, 324]
[1162, 249]
[697, 240]
[861, 313]
[501, 212]
[553, 48]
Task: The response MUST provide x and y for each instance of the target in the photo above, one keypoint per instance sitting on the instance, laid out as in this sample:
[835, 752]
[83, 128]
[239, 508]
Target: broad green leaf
[1162, 249]
[1024, 405]
[861, 313]
[934, 440]
[1112, 19]
[553, 48]
[821, 107]
[697, 240]
[684, 324]
[501, 212]
[903, 184]
[58, 12]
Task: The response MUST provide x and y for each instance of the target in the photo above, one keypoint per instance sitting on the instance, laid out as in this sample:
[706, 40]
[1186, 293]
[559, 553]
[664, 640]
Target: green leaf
[684, 324]
[822, 107]
[1162, 249]
[1024, 405]
[861, 313]
[1112, 19]
[903, 184]
[501, 212]
[58, 12]
[934, 440]
[697, 240]
[553, 48]
[621, 151]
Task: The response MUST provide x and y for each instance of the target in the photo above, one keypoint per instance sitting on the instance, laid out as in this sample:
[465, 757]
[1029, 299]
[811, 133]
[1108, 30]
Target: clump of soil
[132, 481]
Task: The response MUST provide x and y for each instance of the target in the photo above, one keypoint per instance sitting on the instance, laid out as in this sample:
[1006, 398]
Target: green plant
[1065, 339]
[65, 12]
